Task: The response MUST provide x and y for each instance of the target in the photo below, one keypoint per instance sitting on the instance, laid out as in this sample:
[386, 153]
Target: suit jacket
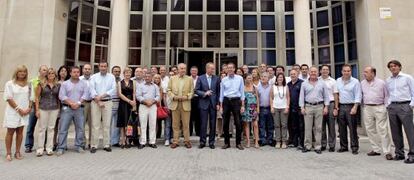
[202, 87]
[187, 90]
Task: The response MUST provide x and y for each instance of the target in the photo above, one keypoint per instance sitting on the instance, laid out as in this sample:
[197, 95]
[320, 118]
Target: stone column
[118, 52]
[303, 47]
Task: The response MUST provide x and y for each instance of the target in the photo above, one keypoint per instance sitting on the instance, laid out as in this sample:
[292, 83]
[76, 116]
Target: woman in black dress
[126, 92]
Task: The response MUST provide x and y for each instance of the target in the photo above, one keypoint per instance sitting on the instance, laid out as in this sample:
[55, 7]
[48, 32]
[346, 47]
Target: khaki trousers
[99, 125]
[313, 122]
[376, 124]
[88, 121]
[181, 118]
[46, 124]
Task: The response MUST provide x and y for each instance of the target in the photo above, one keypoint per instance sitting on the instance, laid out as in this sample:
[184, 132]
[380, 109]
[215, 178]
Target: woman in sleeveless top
[251, 112]
[280, 109]
[126, 92]
[47, 109]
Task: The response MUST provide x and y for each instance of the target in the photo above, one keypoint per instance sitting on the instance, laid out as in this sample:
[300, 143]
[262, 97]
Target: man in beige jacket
[181, 90]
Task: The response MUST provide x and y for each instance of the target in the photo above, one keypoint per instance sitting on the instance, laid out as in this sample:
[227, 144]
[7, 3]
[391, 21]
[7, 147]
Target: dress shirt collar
[398, 75]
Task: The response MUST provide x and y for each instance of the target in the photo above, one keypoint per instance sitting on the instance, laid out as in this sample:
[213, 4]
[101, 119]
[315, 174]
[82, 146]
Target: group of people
[298, 111]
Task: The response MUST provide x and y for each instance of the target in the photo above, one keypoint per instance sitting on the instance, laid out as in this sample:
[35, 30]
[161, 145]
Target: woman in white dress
[17, 94]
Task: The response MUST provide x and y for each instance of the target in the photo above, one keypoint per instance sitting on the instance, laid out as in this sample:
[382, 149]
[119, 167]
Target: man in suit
[181, 90]
[208, 90]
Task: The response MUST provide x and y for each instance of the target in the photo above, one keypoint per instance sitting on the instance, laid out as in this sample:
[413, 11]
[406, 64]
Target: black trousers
[195, 117]
[345, 121]
[231, 106]
[297, 128]
[328, 122]
[401, 116]
[208, 116]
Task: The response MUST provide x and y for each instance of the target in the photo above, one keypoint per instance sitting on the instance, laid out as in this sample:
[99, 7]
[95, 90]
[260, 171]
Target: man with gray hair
[148, 95]
[180, 91]
[266, 124]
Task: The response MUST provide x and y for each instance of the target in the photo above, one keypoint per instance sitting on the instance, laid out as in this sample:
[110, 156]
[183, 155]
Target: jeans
[30, 130]
[66, 116]
[167, 128]
[114, 129]
[266, 125]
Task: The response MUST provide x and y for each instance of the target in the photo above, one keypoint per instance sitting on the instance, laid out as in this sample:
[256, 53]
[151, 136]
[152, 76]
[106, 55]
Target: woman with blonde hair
[250, 115]
[127, 103]
[17, 94]
[256, 77]
[47, 110]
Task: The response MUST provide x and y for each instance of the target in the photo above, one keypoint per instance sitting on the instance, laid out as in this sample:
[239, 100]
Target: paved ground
[165, 163]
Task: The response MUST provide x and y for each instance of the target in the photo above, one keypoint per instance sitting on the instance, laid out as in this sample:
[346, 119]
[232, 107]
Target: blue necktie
[209, 82]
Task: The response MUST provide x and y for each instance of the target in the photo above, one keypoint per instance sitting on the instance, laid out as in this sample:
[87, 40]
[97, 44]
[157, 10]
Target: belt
[104, 100]
[232, 98]
[347, 104]
[69, 106]
[331, 102]
[314, 104]
[373, 104]
[401, 102]
[88, 101]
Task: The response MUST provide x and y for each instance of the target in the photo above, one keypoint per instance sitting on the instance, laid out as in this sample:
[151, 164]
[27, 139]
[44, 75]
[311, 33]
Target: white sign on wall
[385, 13]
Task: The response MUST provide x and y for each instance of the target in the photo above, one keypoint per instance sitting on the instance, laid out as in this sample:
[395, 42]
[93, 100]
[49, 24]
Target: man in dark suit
[208, 90]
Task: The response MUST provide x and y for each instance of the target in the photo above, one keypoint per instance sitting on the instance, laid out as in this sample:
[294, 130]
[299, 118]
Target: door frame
[217, 58]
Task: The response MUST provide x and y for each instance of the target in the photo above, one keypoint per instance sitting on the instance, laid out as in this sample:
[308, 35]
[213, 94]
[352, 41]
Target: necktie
[209, 82]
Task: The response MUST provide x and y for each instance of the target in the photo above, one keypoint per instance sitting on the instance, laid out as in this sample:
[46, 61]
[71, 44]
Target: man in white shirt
[195, 113]
[102, 87]
[167, 122]
[87, 71]
[329, 119]
[281, 69]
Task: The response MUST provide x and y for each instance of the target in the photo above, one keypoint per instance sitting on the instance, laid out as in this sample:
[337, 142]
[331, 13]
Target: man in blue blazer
[208, 90]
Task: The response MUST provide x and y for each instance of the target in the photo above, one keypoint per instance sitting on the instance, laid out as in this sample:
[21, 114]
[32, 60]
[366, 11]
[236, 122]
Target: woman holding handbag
[163, 112]
[126, 92]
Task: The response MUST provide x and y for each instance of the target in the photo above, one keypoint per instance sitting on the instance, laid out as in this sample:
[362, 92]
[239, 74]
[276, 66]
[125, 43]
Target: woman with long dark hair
[280, 109]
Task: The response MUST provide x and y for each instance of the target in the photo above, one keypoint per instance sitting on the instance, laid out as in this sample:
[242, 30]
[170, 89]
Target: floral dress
[250, 104]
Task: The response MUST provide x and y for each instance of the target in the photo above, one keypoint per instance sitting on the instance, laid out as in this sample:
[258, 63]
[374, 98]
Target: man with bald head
[295, 119]
[375, 96]
[180, 91]
[87, 72]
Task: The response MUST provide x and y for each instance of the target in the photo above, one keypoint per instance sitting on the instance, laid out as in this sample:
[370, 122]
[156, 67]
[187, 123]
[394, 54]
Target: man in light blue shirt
[232, 101]
[400, 110]
[348, 96]
[148, 95]
[102, 87]
[314, 102]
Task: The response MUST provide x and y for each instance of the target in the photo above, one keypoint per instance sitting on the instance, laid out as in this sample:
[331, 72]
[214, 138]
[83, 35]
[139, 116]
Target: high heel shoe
[8, 157]
[257, 146]
[248, 144]
[18, 156]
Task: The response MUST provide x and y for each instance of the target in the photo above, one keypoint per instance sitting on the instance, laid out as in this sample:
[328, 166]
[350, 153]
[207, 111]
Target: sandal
[8, 157]
[18, 156]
